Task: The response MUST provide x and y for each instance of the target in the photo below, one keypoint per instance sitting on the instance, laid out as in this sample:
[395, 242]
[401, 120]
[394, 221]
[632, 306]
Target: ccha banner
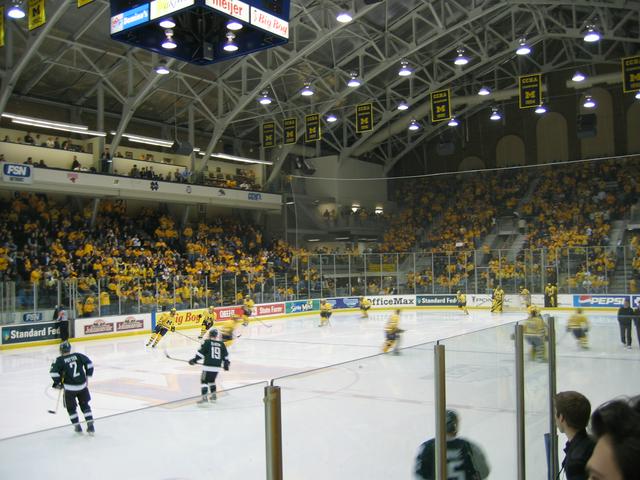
[269, 134]
[37, 16]
[312, 132]
[631, 74]
[440, 106]
[290, 130]
[530, 90]
[364, 118]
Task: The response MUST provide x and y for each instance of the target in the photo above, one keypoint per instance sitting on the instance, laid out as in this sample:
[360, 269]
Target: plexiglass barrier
[360, 419]
[175, 440]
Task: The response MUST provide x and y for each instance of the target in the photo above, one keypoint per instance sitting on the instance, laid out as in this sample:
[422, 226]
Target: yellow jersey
[577, 320]
[392, 324]
[166, 320]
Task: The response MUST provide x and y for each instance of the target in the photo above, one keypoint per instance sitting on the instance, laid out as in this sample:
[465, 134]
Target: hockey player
[465, 459]
[535, 332]
[70, 371]
[215, 357]
[525, 296]
[208, 319]
[227, 329]
[461, 299]
[579, 326]
[365, 305]
[550, 295]
[325, 312]
[497, 300]
[164, 324]
[247, 309]
[392, 333]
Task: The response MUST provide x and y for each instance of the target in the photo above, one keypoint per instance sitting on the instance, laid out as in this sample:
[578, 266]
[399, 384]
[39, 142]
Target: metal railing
[572, 269]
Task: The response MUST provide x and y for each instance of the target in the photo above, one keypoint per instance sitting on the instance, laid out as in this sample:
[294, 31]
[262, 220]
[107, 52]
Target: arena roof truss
[71, 63]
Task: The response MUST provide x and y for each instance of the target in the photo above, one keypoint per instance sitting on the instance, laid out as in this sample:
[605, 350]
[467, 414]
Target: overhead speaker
[587, 125]
[181, 148]
[302, 165]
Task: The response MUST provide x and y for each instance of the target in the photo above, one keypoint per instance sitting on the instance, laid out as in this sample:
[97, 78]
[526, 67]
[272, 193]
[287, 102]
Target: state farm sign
[270, 309]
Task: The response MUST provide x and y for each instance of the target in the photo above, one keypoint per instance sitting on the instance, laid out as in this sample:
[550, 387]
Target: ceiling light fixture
[495, 114]
[344, 17]
[230, 45]
[414, 125]
[591, 34]
[589, 102]
[540, 109]
[307, 91]
[169, 43]
[158, 142]
[403, 106]
[578, 77]
[484, 91]
[461, 58]
[404, 71]
[233, 158]
[453, 122]
[265, 99]
[638, 95]
[161, 68]
[234, 25]
[354, 81]
[15, 11]
[331, 118]
[523, 48]
[167, 23]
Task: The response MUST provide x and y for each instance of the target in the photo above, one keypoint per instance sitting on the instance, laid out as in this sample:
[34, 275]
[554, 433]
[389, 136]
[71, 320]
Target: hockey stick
[187, 336]
[265, 324]
[166, 354]
[53, 412]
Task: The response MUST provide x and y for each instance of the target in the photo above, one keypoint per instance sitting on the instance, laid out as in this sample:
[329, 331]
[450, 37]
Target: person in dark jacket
[625, 314]
[572, 410]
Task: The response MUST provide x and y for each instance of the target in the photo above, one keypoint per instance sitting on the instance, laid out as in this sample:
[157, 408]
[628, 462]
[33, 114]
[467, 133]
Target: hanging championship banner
[82, 3]
[1, 26]
[440, 106]
[530, 90]
[269, 134]
[364, 118]
[631, 74]
[36, 14]
[312, 131]
[289, 128]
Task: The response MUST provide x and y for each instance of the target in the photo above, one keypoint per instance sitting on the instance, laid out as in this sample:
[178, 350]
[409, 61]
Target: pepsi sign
[15, 172]
[600, 301]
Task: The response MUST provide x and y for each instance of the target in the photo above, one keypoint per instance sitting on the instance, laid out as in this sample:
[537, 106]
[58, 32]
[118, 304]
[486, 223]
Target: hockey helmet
[533, 310]
[65, 347]
[458, 292]
[173, 310]
[213, 333]
[451, 421]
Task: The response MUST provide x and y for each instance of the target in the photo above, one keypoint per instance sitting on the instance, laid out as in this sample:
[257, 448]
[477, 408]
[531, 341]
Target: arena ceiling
[71, 58]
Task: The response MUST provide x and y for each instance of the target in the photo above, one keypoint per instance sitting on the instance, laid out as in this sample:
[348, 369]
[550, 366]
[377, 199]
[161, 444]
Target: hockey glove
[57, 385]
[173, 329]
[226, 364]
[193, 361]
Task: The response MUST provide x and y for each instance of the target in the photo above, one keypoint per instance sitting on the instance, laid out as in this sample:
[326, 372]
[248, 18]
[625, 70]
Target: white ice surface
[362, 419]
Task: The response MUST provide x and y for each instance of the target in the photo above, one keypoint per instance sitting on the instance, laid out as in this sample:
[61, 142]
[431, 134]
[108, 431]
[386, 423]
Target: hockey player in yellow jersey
[535, 333]
[247, 308]
[461, 299]
[325, 312]
[497, 300]
[163, 324]
[525, 296]
[550, 295]
[578, 325]
[227, 329]
[208, 319]
[365, 305]
[392, 333]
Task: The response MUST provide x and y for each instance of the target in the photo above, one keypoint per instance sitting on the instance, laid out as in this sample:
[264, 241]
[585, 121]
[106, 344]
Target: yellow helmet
[458, 292]
[533, 310]
[173, 310]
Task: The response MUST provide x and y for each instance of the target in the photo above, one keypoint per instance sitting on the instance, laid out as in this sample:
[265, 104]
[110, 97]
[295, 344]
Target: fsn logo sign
[13, 172]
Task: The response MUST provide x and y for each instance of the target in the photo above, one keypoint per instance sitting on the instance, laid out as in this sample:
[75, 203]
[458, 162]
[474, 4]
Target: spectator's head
[572, 411]
[616, 426]
[452, 422]
[626, 303]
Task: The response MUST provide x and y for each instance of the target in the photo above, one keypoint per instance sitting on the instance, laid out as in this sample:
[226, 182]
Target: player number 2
[215, 352]
[74, 366]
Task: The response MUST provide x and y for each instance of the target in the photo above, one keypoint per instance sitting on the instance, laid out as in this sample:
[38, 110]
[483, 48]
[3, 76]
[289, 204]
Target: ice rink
[356, 414]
